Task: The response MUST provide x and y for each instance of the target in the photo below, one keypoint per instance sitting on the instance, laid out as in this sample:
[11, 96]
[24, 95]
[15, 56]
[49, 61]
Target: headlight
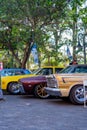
[51, 81]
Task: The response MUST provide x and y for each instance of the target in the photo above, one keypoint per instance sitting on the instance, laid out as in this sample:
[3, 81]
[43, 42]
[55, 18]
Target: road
[22, 112]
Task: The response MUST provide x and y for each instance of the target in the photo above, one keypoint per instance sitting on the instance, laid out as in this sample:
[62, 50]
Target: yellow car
[10, 83]
[46, 70]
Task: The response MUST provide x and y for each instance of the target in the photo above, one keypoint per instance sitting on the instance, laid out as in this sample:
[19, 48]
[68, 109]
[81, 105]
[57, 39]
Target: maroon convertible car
[34, 85]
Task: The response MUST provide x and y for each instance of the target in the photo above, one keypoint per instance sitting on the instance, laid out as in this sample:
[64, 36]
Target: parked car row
[10, 77]
[67, 83]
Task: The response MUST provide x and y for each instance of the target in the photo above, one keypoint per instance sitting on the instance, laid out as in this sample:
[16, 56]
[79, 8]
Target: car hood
[44, 77]
[67, 75]
[32, 78]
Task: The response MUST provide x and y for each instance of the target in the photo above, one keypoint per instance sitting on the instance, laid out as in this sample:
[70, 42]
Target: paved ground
[22, 112]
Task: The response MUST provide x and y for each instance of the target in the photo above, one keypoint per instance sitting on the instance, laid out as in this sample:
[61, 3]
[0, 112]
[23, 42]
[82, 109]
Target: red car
[34, 85]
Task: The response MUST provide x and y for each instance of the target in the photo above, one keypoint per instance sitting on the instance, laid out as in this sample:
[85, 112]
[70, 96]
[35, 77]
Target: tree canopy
[23, 23]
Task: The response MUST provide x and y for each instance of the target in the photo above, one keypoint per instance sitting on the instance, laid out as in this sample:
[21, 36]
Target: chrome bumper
[53, 91]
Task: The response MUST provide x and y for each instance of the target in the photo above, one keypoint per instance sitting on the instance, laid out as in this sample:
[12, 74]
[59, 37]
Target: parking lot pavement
[22, 112]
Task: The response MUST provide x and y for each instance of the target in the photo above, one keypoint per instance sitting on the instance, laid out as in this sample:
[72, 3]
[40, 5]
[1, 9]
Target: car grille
[51, 81]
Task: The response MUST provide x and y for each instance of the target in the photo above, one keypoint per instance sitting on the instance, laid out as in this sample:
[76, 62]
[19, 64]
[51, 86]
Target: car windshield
[36, 71]
[69, 69]
[43, 71]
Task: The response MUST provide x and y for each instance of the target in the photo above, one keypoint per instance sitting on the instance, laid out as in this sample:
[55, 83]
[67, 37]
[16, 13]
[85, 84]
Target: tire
[40, 92]
[13, 88]
[76, 95]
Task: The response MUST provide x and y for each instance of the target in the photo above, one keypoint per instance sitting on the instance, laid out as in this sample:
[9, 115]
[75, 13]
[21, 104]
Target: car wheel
[40, 92]
[77, 95]
[13, 88]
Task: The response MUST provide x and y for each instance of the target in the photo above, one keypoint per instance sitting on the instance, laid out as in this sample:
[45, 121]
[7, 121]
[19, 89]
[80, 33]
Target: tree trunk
[27, 52]
[75, 32]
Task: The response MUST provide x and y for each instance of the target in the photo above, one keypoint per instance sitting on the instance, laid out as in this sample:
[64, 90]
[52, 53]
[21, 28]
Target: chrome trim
[53, 91]
[51, 81]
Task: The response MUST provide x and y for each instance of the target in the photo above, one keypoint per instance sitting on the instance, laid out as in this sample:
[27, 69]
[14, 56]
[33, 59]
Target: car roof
[79, 65]
[6, 69]
[52, 66]
[11, 68]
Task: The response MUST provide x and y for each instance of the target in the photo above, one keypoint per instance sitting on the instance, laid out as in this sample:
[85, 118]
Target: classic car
[34, 85]
[10, 83]
[46, 70]
[68, 83]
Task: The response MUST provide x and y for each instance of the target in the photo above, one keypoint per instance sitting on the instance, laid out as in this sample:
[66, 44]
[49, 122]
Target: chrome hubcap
[41, 92]
[15, 88]
[79, 94]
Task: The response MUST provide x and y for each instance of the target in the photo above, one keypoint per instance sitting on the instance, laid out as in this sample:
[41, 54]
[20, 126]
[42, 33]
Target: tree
[20, 22]
[23, 23]
[74, 16]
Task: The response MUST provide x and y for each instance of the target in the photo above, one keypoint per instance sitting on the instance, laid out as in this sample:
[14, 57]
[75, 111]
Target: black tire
[13, 88]
[40, 92]
[76, 95]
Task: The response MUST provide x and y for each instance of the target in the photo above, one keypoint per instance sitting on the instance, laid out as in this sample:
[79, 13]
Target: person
[1, 92]
[74, 62]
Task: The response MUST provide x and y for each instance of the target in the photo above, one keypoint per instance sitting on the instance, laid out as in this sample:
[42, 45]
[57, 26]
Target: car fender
[66, 91]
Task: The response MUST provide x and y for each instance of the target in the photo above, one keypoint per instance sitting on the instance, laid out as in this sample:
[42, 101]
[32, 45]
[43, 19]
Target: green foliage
[25, 22]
